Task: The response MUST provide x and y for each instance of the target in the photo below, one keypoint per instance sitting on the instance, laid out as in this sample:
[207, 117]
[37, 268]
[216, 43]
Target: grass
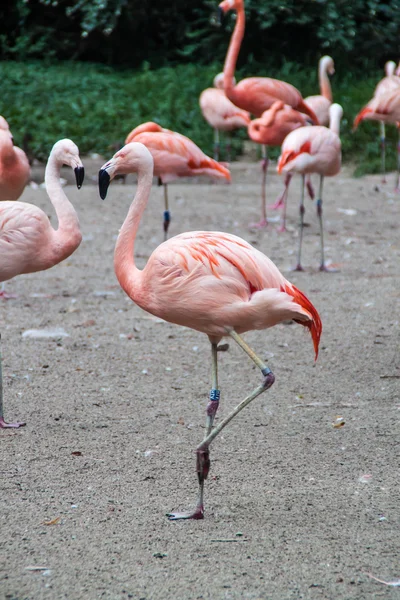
[97, 106]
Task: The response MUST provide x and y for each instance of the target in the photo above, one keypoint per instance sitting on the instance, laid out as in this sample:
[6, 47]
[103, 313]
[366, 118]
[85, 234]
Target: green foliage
[98, 106]
[129, 32]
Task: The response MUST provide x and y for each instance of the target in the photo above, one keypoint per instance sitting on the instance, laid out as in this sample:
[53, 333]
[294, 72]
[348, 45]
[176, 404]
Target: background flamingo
[270, 130]
[256, 94]
[384, 108]
[175, 155]
[28, 242]
[221, 114]
[389, 83]
[14, 165]
[320, 104]
[313, 150]
[213, 282]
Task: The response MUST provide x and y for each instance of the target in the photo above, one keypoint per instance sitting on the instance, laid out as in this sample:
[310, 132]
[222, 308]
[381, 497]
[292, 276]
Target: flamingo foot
[298, 267]
[326, 269]
[260, 225]
[197, 514]
[281, 229]
[397, 190]
[4, 425]
[280, 202]
[7, 296]
[383, 180]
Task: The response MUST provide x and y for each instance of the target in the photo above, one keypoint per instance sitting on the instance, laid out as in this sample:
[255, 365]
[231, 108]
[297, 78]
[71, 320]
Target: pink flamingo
[256, 94]
[313, 150]
[213, 282]
[320, 104]
[14, 165]
[175, 155]
[221, 113]
[389, 83]
[270, 130]
[28, 243]
[384, 108]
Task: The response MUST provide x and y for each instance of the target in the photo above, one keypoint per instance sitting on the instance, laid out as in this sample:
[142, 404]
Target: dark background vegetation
[93, 69]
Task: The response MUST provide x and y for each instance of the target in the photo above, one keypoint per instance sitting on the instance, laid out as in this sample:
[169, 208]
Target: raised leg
[216, 144]
[3, 424]
[383, 150]
[203, 459]
[309, 187]
[298, 267]
[264, 168]
[282, 227]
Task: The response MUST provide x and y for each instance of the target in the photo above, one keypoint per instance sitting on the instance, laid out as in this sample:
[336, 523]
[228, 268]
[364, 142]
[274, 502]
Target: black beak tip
[79, 176]
[104, 182]
[220, 15]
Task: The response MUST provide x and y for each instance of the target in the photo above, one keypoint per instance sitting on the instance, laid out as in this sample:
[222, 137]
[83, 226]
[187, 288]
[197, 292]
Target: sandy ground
[295, 508]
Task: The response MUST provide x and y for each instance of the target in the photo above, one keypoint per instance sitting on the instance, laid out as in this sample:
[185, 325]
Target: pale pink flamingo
[389, 83]
[313, 150]
[320, 104]
[212, 282]
[221, 113]
[28, 243]
[384, 108]
[270, 130]
[175, 155]
[256, 94]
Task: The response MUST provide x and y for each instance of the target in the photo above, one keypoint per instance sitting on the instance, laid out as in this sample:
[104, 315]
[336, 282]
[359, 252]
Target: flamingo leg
[264, 169]
[167, 214]
[383, 150]
[216, 144]
[397, 189]
[281, 198]
[203, 462]
[301, 226]
[285, 194]
[323, 266]
[3, 424]
[309, 187]
[203, 454]
[4, 294]
[228, 146]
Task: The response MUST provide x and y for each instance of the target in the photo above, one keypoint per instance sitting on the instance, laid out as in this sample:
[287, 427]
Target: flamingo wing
[220, 112]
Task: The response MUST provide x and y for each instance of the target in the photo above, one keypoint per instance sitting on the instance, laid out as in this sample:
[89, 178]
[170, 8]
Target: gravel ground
[295, 507]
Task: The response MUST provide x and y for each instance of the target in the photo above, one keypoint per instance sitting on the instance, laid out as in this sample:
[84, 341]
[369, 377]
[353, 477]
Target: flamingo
[389, 83]
[175, 155]
[320, 104]
[384, 108]
[14, 165]
[256, 94]
[28, 243]
[270, 130]
[213, 282]
[221, 113]
[313, 150]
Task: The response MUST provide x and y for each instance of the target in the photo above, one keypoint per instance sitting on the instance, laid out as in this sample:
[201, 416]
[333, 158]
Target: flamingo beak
[104, 182]
[79, 176]
[220, 15]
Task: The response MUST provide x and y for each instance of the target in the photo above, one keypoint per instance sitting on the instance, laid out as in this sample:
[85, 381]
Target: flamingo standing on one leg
[175, 155]
[384, 108]
[213, 282]
[313, 150]
[221, 113]
[389, 83]
[256, 94]
[320, 104]
[28, 243]
[270, 130]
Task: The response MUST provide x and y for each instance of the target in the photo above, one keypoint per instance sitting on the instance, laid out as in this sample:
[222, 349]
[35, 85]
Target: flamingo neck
[67, 236]
[128, 275]
[7, 153]
[334, 124]
[233, 51]
[324, 83]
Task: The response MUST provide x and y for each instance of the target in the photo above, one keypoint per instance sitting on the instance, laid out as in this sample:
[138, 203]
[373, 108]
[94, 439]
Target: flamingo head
[327, 64]
[66, 152]
[228, 5]
[132, 158]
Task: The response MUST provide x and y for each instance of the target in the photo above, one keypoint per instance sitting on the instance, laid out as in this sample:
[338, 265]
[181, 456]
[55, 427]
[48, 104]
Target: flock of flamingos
[213, 282]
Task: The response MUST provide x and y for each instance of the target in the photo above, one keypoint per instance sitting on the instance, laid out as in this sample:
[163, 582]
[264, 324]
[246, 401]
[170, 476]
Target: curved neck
[324, 83]
[68, 222]
[233, 51]
[128, 275]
